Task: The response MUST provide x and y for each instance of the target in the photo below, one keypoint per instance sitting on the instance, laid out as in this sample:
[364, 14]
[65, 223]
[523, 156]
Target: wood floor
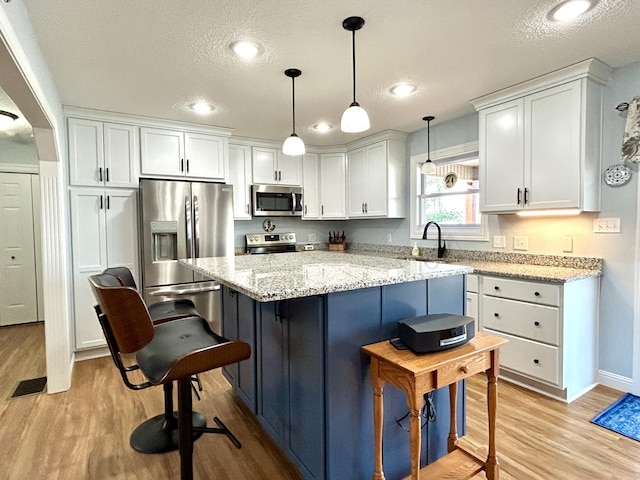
[84, 433]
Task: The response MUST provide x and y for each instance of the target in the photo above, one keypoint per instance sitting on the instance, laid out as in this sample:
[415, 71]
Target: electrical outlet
[606, 225]
[312, 237]
[567, 244]
[499, 241]
[389, 238]
[520, 242]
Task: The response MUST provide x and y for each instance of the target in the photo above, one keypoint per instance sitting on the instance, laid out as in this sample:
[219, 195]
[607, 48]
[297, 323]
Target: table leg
[452, 440]
[414, 400]
[492, 467]
[378, 417]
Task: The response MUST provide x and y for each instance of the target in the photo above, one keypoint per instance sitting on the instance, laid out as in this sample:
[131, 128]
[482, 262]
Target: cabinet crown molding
[591, 69]
[141, 121]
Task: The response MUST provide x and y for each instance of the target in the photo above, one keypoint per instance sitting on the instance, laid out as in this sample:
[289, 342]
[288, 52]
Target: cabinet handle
[187, 165]
[247, 208]
[537, 294]
[182, 164]
[362, 207]
[275, 175]
[536, 361]
[279, 175]
[101, 204]
[322, 210]
[465, 368]
[496, 288]
[519, 196]
[496, 314]
[526, 195]
[537, 324]
[305, 209]
[108, 201]
[106, 172]
[366, 207]
[100, 173]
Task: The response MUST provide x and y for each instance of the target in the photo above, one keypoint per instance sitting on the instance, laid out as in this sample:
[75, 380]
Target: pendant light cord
[293, 102]
[428, 141]
[353, 53]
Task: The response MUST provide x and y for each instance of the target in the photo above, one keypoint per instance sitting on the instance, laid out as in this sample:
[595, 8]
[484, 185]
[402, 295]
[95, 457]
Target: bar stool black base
[159, 435]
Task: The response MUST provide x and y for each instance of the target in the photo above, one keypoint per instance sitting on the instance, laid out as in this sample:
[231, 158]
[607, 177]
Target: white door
[121, 155]
[264, 165]
[289, 169]
[18, 302]
[357, 182]
[310, 186]
[377, 195]
[161, 151]
[240, 178]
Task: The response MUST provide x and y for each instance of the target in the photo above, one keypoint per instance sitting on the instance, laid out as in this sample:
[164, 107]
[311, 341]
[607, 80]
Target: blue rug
[622, 417]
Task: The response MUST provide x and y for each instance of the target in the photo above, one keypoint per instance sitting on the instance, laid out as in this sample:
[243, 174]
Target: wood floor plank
[84, 433]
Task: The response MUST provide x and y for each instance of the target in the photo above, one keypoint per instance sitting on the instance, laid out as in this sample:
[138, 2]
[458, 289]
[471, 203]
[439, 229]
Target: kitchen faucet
[441, 243]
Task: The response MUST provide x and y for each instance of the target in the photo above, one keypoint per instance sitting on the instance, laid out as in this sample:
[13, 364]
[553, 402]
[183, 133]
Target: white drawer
[536, 322]
[535, 360]
[535, 292]
[472, 283]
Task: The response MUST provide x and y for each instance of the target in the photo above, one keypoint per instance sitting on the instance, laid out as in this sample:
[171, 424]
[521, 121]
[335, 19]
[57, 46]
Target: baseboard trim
[99, 352]
[615, 381]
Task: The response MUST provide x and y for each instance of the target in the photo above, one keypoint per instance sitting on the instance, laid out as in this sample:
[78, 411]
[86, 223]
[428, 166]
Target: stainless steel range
[270, 242]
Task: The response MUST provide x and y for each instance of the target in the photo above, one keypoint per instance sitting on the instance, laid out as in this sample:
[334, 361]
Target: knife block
[339, 247]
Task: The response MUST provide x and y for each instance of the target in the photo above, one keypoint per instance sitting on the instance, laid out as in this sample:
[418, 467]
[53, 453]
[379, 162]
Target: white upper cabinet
[324, 186]
[272, 167]
[540, 142]
[311, 186]
[102, 154]
[376, 180]
[183, 154]
[333, 178]
[240, 178]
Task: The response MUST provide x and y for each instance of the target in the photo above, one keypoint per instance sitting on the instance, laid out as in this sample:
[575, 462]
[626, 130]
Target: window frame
[443, 156]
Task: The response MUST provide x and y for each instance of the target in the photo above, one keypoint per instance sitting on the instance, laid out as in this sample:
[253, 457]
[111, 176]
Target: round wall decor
[617, 175]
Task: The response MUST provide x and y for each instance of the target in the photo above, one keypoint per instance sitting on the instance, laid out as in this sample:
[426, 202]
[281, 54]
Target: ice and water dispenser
[164, 234]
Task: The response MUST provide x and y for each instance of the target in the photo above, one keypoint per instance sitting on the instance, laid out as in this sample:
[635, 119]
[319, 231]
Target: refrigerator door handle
[187, 215]
[196, 227]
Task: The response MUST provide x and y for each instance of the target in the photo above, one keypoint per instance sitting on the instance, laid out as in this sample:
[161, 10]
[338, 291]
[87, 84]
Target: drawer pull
[496, 314]
[537, 324]
[465, 369]
[536, 361]
[537, 294]
[496, 288]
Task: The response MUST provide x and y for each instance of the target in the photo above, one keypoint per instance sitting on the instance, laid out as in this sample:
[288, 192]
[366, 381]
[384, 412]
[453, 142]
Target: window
[450, 196]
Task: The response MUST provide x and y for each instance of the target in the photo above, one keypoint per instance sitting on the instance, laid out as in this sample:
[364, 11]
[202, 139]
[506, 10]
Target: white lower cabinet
[552, 332]
[104, 234]
[472, 298]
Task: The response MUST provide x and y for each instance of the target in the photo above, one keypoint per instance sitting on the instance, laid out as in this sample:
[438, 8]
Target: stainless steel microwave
[276, 201]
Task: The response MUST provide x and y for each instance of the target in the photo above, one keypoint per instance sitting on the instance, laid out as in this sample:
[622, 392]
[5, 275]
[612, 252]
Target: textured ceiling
[155, 57]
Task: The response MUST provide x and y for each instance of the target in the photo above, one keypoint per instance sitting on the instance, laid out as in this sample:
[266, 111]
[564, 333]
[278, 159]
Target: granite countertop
[301, 274]
[545, 268]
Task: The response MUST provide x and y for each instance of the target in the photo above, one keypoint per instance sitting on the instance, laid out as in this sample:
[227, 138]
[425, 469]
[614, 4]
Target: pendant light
[6, 119]
[428, 167]
[294, 144]
[354, 118]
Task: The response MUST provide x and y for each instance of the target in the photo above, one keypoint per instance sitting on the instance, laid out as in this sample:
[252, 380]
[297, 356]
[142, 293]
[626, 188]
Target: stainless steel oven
[276, 201]
[270, 242]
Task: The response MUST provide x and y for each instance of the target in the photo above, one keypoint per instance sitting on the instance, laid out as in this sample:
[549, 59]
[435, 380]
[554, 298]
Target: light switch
[606, 225]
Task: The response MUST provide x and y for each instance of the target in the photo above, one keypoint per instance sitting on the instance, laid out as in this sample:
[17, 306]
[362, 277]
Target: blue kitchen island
[306, 315]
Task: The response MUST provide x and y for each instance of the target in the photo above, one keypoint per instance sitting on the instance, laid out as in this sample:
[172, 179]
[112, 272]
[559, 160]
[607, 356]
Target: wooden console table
[419, 374]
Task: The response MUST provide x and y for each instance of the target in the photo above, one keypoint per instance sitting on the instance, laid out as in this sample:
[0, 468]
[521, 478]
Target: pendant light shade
[294, 144]
[6, 119]
[354, 118]
[428, 167]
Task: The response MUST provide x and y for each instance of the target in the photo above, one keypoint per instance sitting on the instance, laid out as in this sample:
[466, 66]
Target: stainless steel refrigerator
[182, 219]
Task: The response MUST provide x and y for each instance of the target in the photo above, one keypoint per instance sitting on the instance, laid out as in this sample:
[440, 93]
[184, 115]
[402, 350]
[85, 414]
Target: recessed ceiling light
[570, 9]
[322, 127]
[202, 108]
[244, 49]
[402, 89]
